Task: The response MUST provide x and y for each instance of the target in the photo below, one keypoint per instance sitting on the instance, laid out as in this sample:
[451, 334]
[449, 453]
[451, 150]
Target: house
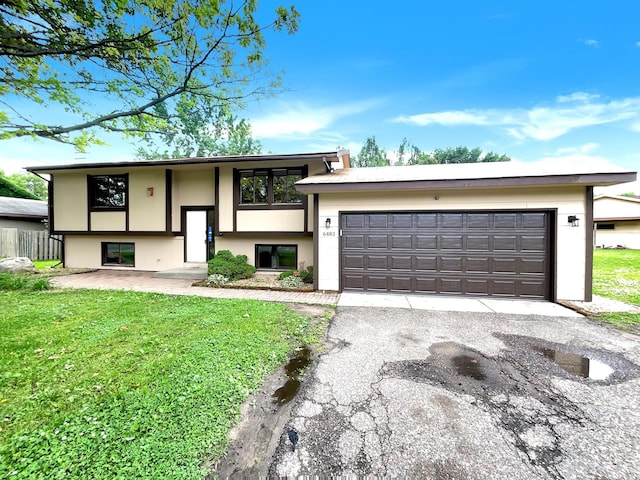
[617, 221]
[23, 213]
[488, 229]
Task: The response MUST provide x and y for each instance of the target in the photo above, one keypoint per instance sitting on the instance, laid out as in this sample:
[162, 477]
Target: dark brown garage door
[504, 254]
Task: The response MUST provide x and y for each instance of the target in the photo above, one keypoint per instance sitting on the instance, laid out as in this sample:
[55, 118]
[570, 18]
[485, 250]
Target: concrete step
[187, 273]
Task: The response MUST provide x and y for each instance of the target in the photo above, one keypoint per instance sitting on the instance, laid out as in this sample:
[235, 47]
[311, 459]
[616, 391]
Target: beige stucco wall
[71, 204]
[626, 234]
[151, 253]
[570, 247]
[108, 221]
[147, 213]
[270, 221]
[245, 246]
[605, 207]
[191, 188]
[225, 209]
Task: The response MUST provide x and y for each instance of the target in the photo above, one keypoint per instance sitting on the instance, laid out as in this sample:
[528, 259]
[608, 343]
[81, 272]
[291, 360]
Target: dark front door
[505, 254]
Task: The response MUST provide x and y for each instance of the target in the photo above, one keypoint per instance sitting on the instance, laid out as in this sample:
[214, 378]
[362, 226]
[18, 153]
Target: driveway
[406, 392]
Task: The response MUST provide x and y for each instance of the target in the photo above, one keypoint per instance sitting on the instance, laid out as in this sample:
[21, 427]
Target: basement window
[118, 254]
[278, 257]
[605, 226]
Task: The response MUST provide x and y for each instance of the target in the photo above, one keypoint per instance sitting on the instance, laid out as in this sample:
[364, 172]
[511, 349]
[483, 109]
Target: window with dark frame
[267, 187]
[118, 254]
[277, 257]
[108, 192]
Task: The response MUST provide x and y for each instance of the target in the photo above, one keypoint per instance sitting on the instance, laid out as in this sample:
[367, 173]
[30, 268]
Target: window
[108, 192]
[118, 254]
[270, 187]
[283, 257]
[605, 226]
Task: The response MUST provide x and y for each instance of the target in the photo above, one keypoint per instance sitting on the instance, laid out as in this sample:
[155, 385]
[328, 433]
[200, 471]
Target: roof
[496, 174]
[23, 208]
[333, 156]
[618, 197]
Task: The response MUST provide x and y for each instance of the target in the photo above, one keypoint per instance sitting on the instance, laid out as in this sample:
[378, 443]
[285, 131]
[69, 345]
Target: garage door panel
[468, 253]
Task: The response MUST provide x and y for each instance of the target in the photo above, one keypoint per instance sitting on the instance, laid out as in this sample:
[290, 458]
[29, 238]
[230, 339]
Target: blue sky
[553, 81]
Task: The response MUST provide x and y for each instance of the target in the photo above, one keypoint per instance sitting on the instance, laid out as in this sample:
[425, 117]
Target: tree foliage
[371, 155]
[409, 154]
[9, 189]
[29, 182]
[127, 65]
[194, 134]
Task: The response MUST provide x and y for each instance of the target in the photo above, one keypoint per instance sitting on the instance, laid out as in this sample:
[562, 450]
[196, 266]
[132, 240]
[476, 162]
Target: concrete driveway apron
[465, 391]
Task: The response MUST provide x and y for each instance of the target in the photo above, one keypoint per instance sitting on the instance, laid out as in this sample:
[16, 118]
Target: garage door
[504, 254]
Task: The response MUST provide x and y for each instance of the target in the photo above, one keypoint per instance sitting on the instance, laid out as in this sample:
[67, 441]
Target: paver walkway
[146, 282]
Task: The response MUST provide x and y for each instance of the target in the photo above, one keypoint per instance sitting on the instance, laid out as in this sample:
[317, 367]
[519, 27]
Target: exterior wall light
[573, 220]
[327, 223]
[150, 192]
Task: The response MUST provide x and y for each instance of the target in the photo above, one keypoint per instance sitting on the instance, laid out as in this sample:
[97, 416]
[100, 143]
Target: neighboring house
[23, 213]
[617, 221]
[487, 229]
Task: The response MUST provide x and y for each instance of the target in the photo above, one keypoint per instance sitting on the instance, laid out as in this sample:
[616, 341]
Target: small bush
[216, 279]
[286, 274]
[290, 282]
[307, 275]
[12, 281]
[232, 267]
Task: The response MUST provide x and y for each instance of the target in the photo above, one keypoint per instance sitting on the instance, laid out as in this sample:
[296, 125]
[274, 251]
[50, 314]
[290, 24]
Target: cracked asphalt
[467, 395]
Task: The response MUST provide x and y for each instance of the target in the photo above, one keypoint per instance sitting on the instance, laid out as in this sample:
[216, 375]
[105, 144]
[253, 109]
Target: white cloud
[567, 113]
[301, 118]
[637, 44]
[590, 42]
[580, 149]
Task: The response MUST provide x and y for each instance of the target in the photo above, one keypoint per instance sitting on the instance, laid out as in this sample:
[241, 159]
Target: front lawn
[104, 384]
[616, 274]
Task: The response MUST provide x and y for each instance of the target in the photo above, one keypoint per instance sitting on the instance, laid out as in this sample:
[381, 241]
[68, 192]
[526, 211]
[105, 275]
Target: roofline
[573, 179]
[333, 156]
[616, 219]
[23, 216]
[618, 197]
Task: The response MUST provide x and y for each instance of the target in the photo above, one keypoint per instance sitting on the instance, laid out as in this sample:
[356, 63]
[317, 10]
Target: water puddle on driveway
[293, 369]
[468, 366]
[575, 364]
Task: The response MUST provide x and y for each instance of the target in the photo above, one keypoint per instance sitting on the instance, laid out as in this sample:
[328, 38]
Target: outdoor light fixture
[573, 220]
[150, 192]
[327, 223]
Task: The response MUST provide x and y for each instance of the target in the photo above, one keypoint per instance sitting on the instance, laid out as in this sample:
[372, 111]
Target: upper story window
[108, 192]
[270, 187]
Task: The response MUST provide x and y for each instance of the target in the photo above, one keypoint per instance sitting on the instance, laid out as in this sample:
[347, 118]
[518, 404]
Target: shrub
[307, 275]
[232, 267]
[216, 279]
[12, 281]
[290, 282]
[286, 274]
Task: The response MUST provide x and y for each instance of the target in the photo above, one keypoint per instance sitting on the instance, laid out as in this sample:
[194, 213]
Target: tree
[409, 154]
[29, 182]
[126, 65]
[192, 134]
[371, 155]
[9, 189]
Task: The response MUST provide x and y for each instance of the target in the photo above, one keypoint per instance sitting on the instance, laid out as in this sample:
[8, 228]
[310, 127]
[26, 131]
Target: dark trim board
[588, 277]
[265, 234]
[168, 182]
[121, 233]
[216, 200]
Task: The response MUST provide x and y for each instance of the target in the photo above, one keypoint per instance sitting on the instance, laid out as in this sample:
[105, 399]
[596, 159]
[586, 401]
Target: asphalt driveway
[452, 395]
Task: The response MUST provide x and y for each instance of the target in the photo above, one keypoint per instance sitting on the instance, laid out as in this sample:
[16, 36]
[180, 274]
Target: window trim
[105, 245]
[605, 226]
[91, 187]
[270, 203]
[276, 246]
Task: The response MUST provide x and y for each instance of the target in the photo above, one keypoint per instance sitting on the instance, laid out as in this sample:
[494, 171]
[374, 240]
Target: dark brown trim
[553, 252]
[51, 220]
[293, 157]
[127, 203]
[316, 227]
[168, 189]
[588, 221]
[616, 219]
[89, 203]
[236, 198]
[265, 234]
[577, 179]
[216, 200]
[121, 233]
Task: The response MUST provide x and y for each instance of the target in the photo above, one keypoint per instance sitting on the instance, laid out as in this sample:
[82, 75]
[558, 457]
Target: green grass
[100, 384]
[616, 274]
[43, 264]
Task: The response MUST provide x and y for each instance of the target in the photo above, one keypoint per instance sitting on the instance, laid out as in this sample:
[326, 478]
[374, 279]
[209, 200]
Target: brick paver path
[146, 282]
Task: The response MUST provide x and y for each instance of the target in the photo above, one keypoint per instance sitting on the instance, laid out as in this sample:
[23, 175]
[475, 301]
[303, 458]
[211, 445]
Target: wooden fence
[36, 245]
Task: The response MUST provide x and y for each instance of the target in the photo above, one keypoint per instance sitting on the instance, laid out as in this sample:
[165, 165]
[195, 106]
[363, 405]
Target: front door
[196, 238]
